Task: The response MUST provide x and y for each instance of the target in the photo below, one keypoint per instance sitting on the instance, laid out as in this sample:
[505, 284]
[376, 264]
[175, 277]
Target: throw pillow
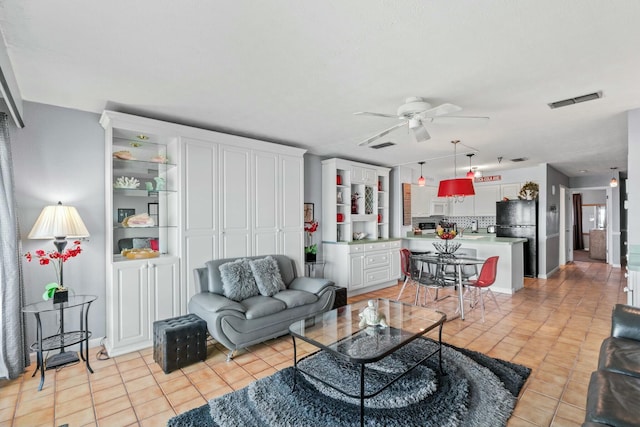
[237, 280]
[267, 275]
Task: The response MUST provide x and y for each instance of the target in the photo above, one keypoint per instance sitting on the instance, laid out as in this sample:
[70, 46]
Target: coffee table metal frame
[345, 330]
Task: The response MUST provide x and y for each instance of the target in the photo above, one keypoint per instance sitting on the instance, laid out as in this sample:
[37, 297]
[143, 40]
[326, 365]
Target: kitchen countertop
[363, 241]
[470, 238]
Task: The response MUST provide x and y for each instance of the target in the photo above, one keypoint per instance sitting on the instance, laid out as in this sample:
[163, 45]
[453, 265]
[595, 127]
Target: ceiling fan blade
[458, 119]
[366, 113]
[440, 110]
[383, 133]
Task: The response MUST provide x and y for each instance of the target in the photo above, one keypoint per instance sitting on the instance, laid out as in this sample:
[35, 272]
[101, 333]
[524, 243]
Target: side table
[314, 268]
[63, 338]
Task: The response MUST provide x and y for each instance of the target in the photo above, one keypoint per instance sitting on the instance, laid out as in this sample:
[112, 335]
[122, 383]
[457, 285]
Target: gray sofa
[614, 389]
[238, 323]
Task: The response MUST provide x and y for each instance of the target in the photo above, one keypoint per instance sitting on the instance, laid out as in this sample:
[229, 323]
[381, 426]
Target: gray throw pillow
[267, 275]
[237, 280]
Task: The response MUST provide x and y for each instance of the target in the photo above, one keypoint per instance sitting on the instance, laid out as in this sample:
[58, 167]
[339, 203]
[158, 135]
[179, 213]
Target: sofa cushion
[267, 276]
[620, 355]
[293, 298]
[238, 281]
[260, 306]
[613, 399]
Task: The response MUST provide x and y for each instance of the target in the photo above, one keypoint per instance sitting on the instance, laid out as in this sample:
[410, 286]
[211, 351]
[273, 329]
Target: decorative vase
[309, 257]
[60, 296]
[338, 180]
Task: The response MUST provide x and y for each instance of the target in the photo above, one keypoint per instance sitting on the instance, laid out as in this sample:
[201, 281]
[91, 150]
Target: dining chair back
[486, 278]
[405, 266]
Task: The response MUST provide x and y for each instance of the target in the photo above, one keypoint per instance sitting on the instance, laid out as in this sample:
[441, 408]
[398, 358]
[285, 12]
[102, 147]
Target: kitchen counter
[469, 237]
[363, 241]
[510, 275]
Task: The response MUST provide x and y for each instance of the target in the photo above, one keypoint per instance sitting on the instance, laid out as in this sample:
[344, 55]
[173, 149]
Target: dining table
[438, 271]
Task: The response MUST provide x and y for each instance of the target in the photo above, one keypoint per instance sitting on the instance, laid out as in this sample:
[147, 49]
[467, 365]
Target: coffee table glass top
[339, 330]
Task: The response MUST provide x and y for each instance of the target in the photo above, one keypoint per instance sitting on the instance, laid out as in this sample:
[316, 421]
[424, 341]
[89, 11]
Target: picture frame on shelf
[153, 210]
[308, 212]
[125, 212]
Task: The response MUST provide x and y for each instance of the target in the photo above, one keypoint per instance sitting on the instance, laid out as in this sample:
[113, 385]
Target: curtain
[14, 356]
[578, 241]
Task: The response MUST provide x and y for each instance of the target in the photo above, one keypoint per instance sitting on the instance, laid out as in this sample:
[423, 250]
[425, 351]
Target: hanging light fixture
[614, 181]
[421, 180]
[470, 174]
[457, 188]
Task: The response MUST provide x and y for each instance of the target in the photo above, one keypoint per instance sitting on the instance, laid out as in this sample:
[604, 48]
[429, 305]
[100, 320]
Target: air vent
[577, 99]
[383, 145]
[520, 159]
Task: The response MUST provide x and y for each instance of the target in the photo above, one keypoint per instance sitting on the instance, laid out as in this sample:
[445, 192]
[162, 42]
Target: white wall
[313, 193]
[633, 178]
[59, 156]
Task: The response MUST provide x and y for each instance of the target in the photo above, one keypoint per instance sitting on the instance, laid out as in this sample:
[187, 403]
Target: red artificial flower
[54, 257]
[311, 227]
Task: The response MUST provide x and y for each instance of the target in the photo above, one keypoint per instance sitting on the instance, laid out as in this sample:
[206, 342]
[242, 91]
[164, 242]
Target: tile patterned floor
[554, 326]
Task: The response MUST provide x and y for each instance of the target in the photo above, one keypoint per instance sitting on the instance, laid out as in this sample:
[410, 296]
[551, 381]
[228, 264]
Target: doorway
[590, 225]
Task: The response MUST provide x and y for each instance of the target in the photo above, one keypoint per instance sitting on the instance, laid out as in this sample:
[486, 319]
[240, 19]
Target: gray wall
[313, 193]
[59, 156]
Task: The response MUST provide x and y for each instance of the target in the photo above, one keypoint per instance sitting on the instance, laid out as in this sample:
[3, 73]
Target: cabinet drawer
[376, 246]
[354, 249]
[376, 260]
[374, 277]
[396, 244]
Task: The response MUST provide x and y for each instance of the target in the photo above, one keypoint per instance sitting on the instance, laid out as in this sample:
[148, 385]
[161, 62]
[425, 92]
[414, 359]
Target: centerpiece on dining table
[446, 232]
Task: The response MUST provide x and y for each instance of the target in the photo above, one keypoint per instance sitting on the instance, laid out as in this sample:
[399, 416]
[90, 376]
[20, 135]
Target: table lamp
[59, 222]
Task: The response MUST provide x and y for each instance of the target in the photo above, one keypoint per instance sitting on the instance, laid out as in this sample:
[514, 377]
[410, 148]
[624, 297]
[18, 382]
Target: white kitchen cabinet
[142, 291]
[485, 199]
[510, 191]
[363, 175]
[464, 207]
[421, 200]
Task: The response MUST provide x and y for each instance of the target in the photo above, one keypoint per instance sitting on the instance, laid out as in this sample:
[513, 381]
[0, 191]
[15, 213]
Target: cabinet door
[485, 199]
[419, 201]
[235, 209]
[394, 264]
[464, 207]
[291, 225]
[510, 191]
[200, 192]
[361, 175]
[129, 305]
[266, 206]
[164, 281]
[356, 271]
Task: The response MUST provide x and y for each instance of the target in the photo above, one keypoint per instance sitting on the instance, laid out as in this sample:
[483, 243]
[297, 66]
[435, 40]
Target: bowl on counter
[491, 229]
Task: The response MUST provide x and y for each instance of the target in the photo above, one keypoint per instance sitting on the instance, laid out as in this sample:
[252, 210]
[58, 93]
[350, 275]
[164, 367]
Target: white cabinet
[235, 203]
[510, 191]
[464, 207]
[363, 175]
[421, 200]
[485, 199]
[141, 292]
[361, 267]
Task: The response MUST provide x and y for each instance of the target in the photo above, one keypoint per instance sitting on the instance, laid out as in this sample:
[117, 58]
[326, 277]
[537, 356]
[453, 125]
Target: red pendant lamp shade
[456, 187]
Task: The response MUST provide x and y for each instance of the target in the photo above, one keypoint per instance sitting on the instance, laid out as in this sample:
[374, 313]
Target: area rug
[476, 390]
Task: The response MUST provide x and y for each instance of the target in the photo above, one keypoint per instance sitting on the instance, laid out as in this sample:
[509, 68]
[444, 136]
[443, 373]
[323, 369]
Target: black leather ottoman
[179, 342]
[341, 298]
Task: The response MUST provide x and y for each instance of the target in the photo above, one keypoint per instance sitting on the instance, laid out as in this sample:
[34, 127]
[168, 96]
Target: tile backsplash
[461, 221]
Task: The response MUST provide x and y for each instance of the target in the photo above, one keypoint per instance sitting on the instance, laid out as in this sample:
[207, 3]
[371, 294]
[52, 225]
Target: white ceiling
[294, 72]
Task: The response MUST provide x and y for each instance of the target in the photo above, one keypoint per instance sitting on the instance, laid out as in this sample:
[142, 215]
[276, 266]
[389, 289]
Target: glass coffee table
[339, 332]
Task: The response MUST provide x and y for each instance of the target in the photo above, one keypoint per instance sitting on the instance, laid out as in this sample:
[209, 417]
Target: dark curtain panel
[578, 241]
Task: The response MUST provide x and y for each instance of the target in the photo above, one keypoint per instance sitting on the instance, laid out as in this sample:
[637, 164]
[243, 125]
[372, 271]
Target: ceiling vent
[383, 145]
[577, 99]
[520, 159]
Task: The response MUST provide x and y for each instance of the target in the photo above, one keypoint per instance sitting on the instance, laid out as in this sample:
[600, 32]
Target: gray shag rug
[476, 390]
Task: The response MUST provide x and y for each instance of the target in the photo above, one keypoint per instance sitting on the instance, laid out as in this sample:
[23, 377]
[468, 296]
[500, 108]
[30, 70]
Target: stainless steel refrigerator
[519, 218]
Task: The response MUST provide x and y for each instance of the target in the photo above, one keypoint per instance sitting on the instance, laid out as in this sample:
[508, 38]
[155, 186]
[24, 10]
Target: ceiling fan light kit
[456, 188]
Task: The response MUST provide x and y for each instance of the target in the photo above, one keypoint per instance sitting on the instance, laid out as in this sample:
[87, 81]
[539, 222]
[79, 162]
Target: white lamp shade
[58, 221]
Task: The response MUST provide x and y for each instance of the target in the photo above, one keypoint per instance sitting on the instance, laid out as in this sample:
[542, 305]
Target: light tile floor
[554, 326]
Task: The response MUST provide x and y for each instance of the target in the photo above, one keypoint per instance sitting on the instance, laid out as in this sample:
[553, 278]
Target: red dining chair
[411, 273]
[485, 279]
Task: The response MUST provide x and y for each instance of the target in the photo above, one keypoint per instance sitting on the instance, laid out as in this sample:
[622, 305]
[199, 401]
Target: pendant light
[421, 180]
[614, 181]
[471, 174]
[457, 188]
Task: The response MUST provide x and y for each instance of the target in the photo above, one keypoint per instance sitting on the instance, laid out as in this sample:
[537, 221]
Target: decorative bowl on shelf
[446, 246]
[359, 236]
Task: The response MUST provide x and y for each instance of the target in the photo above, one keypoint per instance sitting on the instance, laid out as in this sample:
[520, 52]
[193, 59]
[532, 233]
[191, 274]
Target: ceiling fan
[416, 112]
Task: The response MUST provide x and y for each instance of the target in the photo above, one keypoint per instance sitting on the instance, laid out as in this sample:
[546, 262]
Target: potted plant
[310, 248]
[529, 191]
[55, 290]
